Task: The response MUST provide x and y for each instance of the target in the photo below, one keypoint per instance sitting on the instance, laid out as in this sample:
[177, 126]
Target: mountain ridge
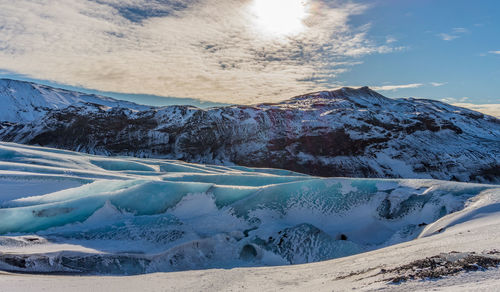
[24, 101]
[344, 132]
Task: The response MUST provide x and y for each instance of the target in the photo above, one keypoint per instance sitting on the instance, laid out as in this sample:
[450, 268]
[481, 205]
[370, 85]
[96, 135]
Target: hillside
[346, 132]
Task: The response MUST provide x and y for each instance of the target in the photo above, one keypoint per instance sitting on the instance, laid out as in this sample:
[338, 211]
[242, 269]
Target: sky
[212, 52]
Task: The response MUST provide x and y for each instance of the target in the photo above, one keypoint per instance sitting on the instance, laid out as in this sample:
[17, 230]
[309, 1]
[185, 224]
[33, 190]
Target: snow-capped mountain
[346, 132]
[27, 102]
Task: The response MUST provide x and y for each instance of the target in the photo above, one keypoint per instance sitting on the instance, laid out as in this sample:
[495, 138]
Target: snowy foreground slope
[346, 132]
[76, 213]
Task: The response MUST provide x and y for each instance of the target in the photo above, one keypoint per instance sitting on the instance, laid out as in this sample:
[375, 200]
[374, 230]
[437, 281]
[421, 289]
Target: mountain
[28, 102]
[346, 132]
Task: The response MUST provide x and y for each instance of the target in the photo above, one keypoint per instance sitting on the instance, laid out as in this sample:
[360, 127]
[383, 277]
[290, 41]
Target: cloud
[206, 49]
[452, 100]
[438, 84]
[489, 109]
[494, 52]
[396, 87]
[390, 39]
[447, 37]
[456, 33]
[459, 30]
[406, 86]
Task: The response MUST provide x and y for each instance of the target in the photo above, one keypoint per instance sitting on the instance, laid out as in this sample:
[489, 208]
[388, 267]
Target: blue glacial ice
[130, 215]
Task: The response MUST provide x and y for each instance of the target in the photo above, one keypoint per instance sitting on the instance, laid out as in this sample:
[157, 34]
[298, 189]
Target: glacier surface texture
[62, 211]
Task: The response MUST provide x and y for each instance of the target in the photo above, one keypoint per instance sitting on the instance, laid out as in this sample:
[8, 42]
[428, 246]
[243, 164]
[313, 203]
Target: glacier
[63, 211]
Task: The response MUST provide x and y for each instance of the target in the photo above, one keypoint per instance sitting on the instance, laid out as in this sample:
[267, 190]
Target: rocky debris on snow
[439, 266]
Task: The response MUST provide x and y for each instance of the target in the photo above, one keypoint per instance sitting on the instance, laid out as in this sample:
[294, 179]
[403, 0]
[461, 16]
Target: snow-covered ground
[359, 272]
[183, 226]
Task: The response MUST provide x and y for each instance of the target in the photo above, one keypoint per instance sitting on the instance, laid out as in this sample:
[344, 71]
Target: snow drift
[69, 212]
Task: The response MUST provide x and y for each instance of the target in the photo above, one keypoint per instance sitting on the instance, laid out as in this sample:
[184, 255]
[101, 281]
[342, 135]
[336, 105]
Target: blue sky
[211, 52]
[463, 61]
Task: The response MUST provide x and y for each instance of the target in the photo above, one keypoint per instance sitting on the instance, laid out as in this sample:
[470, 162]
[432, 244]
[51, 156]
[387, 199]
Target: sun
[279, 17]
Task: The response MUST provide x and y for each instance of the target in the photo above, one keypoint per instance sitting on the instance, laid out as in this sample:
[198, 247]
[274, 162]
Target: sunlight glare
[280, 17]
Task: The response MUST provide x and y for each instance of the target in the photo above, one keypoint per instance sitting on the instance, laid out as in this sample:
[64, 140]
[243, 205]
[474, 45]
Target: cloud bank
[489, 109]
[206, 49]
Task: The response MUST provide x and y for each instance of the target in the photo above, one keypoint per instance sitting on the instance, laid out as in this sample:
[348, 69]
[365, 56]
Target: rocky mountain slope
[346, 132]
[27, 101]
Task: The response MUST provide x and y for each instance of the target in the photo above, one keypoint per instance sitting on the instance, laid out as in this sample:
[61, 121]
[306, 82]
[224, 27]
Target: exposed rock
[442, 265]
[346, 132]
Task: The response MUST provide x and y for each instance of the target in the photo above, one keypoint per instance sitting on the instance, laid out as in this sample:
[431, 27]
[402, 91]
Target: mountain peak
[361, 94]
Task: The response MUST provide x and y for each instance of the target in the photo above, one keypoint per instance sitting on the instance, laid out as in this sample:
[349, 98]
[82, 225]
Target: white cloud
[494, 52]
[456, 33]
[396, 87]
[489, 109]
[447, 37]
[438, 84]
[390, 39]
[206, 49]
[455, 99]
[459, 30]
